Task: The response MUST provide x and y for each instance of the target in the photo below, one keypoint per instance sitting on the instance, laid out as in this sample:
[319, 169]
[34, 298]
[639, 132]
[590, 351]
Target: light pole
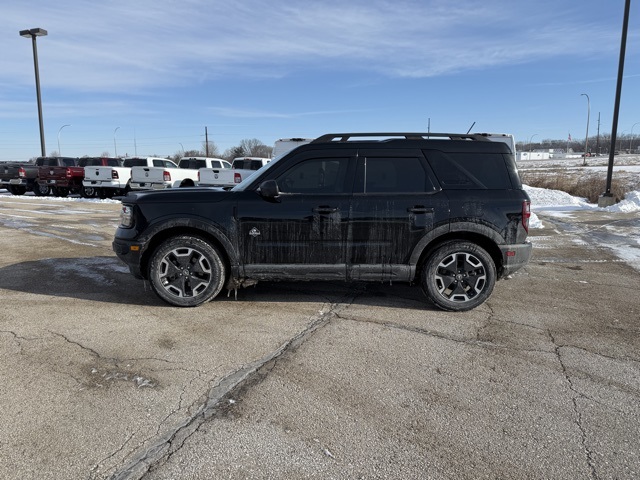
[115, 147]
[33, 33]
[586, 139]
[181, 147]
[631, 139]
[531, 138]
[59, 130]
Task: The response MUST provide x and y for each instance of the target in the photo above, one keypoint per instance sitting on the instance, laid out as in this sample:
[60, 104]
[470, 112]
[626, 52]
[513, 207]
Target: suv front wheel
[186, 271]
[458, 276]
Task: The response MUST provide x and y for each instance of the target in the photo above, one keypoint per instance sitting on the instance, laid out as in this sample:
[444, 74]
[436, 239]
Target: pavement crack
[574, 399]
[95, 471]
[221, 396]
[83, 347]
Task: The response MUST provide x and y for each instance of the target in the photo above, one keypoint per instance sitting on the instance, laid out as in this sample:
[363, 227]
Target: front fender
[158, 231]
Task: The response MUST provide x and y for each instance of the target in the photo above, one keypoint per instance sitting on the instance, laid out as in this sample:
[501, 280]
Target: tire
[41, 190]
[88, 192]
[60, 191]
[186, 271]
[458, 276]
[17, 189]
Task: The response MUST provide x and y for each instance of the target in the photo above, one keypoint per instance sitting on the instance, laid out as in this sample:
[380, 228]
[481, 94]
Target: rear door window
[392, 175]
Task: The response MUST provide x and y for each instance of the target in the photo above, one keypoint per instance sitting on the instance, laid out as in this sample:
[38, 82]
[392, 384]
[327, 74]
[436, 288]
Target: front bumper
[514, 257]
[130, 256]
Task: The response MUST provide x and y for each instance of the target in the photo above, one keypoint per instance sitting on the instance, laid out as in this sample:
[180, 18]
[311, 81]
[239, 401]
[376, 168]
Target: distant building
[535, 155]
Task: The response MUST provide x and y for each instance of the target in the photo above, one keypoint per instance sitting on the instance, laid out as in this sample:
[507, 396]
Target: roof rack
[345, 137]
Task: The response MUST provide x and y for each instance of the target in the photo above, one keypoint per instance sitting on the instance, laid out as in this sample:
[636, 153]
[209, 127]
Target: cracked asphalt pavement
[101, 380]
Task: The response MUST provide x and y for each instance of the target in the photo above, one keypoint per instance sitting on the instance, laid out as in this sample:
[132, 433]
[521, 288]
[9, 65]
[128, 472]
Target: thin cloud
[242, 113]
[123, 46]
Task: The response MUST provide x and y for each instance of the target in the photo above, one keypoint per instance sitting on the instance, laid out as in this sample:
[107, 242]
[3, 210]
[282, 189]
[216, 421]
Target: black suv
[446, 211]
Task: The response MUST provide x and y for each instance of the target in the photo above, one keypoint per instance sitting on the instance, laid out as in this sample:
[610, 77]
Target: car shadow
[107, 279]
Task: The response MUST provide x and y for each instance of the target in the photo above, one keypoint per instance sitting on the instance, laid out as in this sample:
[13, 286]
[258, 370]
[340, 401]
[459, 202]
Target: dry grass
[578, 184]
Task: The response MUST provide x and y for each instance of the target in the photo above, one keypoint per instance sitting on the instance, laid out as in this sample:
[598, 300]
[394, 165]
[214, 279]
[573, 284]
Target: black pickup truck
[445, 211]
[20, 178]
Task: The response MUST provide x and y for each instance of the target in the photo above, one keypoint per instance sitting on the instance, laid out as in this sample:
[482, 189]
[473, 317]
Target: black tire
[106, 192]
[458, 276]
[41, 190]
[17, 189]
[60, 191]
[186, 271]
[88, 192]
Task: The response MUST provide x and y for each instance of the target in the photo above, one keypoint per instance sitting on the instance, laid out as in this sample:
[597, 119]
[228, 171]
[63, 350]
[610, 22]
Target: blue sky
[146, 77]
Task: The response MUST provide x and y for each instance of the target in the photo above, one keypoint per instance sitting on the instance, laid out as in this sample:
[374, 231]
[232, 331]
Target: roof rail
[345, 137]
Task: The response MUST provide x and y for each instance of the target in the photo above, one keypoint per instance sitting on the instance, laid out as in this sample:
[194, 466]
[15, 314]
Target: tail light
[198, 175]
[114, 174]
[22, 173]
[166, 176]
[526, 214]
[237, 178]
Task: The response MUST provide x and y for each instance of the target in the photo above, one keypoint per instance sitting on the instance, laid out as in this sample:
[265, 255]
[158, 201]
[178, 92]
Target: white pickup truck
[111, 181]
[241, 168]
[185, 174]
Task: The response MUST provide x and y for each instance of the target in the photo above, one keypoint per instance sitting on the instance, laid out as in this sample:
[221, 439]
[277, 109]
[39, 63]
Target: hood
[178, 195]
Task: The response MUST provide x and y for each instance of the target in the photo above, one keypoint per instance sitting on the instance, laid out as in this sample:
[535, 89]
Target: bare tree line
[625, 143]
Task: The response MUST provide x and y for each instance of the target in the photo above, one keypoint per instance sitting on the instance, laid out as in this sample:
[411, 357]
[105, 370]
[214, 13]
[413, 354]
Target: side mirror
[269, 190]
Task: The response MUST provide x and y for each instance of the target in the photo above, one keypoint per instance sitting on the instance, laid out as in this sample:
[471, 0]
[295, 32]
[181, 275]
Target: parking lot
[319, 380]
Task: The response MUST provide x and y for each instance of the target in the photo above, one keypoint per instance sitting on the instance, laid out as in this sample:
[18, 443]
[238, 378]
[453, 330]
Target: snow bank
[556, 202]
[631, 203]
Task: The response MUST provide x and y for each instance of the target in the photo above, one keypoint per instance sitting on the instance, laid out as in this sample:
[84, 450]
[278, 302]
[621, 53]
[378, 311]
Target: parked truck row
[110, 177]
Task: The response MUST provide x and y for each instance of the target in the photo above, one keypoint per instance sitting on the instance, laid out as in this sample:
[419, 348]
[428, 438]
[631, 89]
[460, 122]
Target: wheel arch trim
[159, 232]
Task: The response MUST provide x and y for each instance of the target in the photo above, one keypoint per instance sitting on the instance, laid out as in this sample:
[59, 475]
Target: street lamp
[586, 139]
[531, 138]
[33, 33]
[631, 139]
[59, 130]
[115, 147]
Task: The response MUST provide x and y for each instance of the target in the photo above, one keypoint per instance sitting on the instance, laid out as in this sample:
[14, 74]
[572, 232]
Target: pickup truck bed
[20, 178]
[185, 174]
[241, 169]
[110, 181]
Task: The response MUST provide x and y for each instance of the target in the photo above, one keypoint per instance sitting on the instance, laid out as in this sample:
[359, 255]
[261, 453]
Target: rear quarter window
[470, 171]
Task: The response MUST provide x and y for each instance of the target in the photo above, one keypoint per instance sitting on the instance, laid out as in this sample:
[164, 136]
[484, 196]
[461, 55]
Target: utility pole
[206, 142]
[598, 137]
[607, 199]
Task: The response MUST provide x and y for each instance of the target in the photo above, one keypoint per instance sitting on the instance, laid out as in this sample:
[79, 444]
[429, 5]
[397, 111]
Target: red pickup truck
[64, 175]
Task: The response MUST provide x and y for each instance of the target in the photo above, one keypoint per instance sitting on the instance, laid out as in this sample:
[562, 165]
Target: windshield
[243, 185]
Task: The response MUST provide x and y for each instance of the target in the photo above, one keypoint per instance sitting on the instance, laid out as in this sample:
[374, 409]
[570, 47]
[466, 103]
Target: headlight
[126, 216]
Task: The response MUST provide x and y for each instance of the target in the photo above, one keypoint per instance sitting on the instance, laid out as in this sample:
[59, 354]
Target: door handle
[324, 209]
[419, 209]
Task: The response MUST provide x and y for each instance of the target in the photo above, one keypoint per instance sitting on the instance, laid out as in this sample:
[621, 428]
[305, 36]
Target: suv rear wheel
[458, 276]
[186, 271]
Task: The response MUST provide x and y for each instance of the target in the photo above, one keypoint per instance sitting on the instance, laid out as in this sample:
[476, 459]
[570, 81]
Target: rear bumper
[149, 186]
[514, 257]
[102, 184]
